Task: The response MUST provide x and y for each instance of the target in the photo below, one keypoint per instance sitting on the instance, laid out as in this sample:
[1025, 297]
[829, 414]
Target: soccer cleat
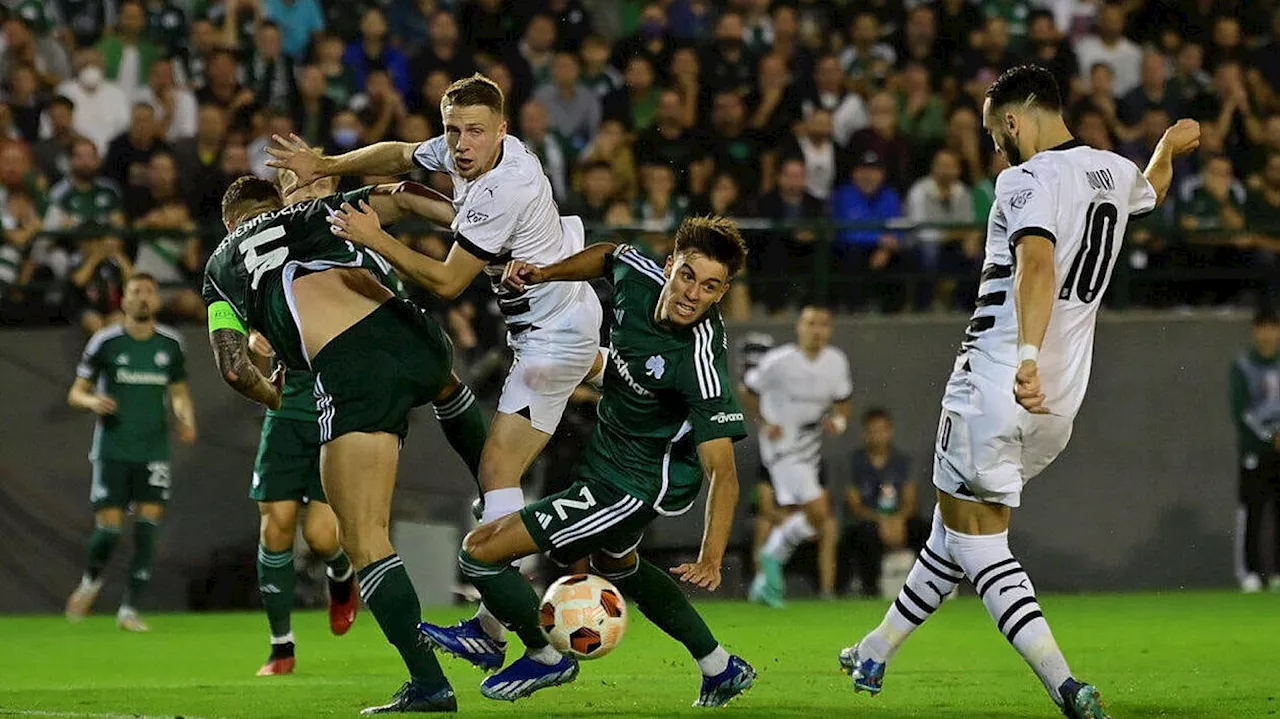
[526, 676]
[128, 620]
[81, 600]
[867, 674]
[761, 593]
[276, 666]
[1251, 584]
[413, 698]
[723, 687]
[344, 602]
[467, 640]
[1081, 701]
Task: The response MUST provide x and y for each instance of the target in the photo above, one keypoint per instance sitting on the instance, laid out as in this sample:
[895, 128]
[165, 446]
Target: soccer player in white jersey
[794, 394]
[504, 212]
[1053, 237]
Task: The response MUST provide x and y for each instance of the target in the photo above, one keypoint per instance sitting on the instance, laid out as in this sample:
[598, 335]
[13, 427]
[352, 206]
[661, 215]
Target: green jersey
[90, 206]
[253, 269]
[666, 391]
[136, 374]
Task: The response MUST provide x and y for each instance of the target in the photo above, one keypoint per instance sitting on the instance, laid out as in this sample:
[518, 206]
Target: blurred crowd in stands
[846, 134]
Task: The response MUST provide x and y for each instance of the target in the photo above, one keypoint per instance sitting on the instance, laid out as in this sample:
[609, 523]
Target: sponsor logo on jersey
[624, 372]
[726, 417]
[655, 367]
[475, 217]
[162, 359]
[1021, 199]
[128, 376]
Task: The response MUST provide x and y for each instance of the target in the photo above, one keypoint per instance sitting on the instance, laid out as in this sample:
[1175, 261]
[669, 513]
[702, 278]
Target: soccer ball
[583, 616]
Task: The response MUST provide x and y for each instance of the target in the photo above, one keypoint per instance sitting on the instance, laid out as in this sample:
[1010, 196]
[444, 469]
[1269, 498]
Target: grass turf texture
[1184, 655]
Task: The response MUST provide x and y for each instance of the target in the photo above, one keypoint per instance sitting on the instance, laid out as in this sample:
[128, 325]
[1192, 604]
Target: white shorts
[795, 483]
[550, 363]
[988, 447]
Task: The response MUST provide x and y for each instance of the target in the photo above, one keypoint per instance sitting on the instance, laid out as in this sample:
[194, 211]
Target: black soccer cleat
[413, 698]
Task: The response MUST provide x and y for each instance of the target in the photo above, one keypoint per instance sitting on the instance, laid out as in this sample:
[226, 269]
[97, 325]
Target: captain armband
[223, 317]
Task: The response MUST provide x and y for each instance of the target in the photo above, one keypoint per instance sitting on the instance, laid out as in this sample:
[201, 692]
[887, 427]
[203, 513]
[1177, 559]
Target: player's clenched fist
[520, 275]
[1026, 388]
[1183, 137]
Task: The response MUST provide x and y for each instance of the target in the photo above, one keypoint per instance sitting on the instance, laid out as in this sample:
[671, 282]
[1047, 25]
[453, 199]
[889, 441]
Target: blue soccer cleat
[526, 676]
[1081, 701]
[868, 675]
[467, 640]
[416, 699]
[723, 687]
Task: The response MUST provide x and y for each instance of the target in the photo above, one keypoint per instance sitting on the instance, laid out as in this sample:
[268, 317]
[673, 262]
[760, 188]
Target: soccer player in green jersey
[127, 372]
[326, 307]
[667, 419]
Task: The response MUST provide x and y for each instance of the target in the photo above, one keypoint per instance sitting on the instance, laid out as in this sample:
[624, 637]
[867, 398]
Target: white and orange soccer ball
[583, 616]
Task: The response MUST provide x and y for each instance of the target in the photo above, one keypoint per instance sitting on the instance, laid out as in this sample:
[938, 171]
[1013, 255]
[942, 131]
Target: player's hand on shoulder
[520, 275]
[294, 154]
[1183, 137]
[360, 225]
[702, 573]
[103, 405]
[260, 345]
[1026, 388]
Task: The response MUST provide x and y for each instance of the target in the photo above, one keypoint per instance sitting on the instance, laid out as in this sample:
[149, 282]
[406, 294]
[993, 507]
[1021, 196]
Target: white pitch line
[87, 715]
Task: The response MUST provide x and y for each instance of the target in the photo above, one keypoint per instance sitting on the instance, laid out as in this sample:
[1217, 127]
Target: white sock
[715, 662]
[490, 624]
[791, 533]
[286, 639]
[934, 576]
[546, 655]
[126, 611]
[351, 568]
[1010, 599]
[498, 503]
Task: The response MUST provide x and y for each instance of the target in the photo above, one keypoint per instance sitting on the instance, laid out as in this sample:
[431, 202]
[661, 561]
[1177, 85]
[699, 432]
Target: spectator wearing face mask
[101, 108]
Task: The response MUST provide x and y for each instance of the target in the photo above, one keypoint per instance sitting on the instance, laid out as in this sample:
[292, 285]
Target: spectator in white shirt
[823, 161]
[102, 109]
[176, 109]
[1109, 45]
[940, 198]
[848, 112]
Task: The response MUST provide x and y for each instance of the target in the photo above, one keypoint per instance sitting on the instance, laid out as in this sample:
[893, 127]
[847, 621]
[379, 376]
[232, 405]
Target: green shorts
[288, 464]
[370, 376]
[586, 518]
[119, 484]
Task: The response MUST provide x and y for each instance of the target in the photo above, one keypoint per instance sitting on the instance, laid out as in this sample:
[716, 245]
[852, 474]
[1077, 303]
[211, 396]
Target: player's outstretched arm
[586, 265]
[230, 342]
[447, 279]
[722, 501]
[380, 158]
[1033, 293]
[401, 199]
[1177, 141]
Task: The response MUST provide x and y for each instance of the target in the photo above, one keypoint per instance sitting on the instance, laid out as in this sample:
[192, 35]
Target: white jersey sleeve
[759, 379]
[1142, 198]
[842, 382]
[1028, 207]
[433, 155]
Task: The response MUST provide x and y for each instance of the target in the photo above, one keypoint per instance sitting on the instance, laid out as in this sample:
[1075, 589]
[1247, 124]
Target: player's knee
[275, 535]
[321, 536]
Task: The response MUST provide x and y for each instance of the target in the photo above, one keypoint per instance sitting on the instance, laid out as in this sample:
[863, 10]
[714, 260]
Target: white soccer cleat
[129, 621]
[1251, 584]
[82, 599]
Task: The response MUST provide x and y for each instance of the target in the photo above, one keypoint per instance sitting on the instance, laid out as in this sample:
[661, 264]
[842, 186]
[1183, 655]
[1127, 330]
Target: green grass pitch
[1186, 655]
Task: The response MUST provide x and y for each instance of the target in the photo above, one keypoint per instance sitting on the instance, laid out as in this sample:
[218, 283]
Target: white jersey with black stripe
[508, 214]
[796, 392]
[1081, 199]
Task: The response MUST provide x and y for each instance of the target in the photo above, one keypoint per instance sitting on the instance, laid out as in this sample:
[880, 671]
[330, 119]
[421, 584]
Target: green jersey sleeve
[707, 387]
[178, 364]
[91, 359]
[626, 263]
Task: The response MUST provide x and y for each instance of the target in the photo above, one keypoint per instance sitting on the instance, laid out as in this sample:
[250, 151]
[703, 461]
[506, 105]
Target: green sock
[464, 426]
[339, 572]
[102, 543]
[388, 593]
[276, 577]
[507, 595]
[660, 599]
[145, 534]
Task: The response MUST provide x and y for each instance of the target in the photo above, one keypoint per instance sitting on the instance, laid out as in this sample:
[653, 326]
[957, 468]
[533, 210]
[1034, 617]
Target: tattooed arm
[231, 354]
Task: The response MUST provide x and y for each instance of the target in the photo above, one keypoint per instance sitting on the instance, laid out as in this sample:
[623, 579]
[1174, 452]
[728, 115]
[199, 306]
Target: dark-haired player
[667, 418]
[326, 306]
[1053, 238]
[127, 372]
[503, 211]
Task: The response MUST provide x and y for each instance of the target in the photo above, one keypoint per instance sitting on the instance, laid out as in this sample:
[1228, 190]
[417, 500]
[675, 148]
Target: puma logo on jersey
[1022, 584]
[543, 519]
[726, 417]
[655, 367]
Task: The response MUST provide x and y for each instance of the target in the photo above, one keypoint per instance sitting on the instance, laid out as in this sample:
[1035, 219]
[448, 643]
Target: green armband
[223, 317]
